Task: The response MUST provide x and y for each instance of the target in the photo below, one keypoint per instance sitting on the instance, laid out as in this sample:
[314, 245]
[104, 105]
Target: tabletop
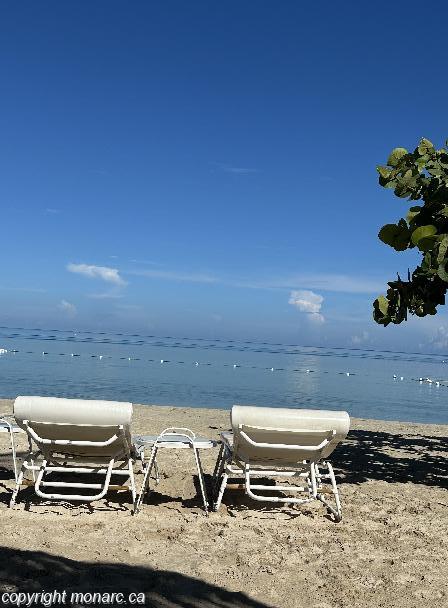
[173, 441]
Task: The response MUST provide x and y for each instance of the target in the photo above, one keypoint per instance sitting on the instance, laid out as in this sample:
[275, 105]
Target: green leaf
[391, 184]
[384, 171]
[423, 232]
[424, 146]
[443, 248]
[395, 156]
[396, 235]
[383, 304]
[441, 271]
[412, 213]
[427, 243]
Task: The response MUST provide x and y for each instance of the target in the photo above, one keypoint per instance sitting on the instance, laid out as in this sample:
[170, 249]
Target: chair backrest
[286, 436]
[75, 421]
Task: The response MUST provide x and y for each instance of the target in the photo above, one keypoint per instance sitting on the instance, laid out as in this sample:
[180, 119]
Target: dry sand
[391, 549]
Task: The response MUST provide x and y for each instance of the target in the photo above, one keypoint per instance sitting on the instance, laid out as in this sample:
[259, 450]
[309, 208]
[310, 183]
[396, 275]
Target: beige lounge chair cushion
[57, 418]
[285, 426]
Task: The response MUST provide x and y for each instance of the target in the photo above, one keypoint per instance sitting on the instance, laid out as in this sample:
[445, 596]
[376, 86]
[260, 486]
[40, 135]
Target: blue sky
[208, 168]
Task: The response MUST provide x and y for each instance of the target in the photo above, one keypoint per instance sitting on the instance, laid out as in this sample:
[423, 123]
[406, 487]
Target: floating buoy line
[100, 357]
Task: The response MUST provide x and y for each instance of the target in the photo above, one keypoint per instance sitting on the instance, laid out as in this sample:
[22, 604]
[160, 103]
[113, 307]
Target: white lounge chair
[281, 443]
[74, 437]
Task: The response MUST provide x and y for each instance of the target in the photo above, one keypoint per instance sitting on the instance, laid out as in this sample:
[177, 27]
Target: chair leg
[18, 484]
[336, 512]
[221, 491]
[132, 480]
[201, 479]
[13, 449]
[218, 461]
[218, 471]
[156, 472]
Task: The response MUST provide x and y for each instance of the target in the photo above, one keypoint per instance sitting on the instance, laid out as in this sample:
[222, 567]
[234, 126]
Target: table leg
[146, 477]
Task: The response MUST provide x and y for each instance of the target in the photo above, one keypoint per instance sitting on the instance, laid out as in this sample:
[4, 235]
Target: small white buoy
[44, 353]
[420, 380]
[437, 383]
[129, 358]
[161, 361]
[394, 376]
[235, 365]
[429, 380]
[272, 369]
[401, 378]
[307, 371]
[100, 357]
[347, 374]
[72, 355]
[196, 363]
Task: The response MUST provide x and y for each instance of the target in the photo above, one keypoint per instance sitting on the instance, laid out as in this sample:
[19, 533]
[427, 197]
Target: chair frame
[11, 429]
[55, 459]
[230, 464]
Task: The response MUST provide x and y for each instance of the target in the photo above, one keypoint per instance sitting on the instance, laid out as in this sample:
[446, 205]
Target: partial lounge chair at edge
[7, 425]
[72, 438]
[282, 443]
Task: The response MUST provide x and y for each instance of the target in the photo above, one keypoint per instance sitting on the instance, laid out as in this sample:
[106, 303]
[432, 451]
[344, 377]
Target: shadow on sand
[373, 455]
[34, 571]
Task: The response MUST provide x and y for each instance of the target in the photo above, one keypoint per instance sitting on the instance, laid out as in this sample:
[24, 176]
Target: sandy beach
[391, 548]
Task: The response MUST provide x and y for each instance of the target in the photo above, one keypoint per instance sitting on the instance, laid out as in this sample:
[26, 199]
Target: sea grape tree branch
[419, 175]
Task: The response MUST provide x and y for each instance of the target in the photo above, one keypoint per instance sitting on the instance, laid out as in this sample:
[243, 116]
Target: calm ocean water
[217, 373]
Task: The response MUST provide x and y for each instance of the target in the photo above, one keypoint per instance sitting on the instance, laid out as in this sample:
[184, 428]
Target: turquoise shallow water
[218, 373]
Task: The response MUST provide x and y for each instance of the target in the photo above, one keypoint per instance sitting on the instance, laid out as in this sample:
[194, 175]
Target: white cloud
[52, 211]
[110, 275]
[309, 303]
[360, 338]
[68, 308]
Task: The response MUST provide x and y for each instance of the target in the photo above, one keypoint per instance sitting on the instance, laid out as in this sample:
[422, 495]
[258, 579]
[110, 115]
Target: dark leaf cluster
[421, 175]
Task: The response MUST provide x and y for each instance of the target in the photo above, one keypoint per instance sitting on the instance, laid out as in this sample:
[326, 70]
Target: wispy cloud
[129, 307]
[321, 282]
[52, 211]
[309, 303]
[440, 339]
[110, 275]
[68, 308]
[25, 289]
[176, 276]
[146, 262]
[361, 338]
[232, 169]
[107, 295]
[99, 171]
[325, 282]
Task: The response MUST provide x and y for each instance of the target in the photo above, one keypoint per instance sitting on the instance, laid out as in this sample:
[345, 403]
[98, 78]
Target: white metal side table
[171, 438]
